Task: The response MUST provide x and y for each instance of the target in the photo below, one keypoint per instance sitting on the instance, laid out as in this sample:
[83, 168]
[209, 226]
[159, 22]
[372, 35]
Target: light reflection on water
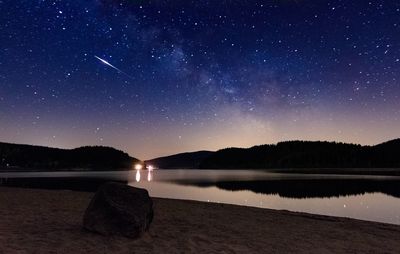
[138, 175]
[149, 174]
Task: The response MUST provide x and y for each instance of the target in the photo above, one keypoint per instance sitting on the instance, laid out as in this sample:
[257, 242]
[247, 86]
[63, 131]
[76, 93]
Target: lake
[373, 198]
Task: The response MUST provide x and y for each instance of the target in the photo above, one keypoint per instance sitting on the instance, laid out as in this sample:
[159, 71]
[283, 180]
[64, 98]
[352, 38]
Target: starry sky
[159, 77]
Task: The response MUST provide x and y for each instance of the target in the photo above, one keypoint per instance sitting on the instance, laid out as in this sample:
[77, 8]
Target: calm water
[374, 198]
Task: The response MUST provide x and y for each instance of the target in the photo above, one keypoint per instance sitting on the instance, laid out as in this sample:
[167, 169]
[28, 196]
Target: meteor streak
[112, 66]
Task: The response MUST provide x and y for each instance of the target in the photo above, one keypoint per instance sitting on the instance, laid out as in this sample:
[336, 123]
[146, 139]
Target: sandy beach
[49, 221]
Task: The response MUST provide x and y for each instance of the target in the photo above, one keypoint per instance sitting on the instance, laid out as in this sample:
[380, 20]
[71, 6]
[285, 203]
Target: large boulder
[119, 209]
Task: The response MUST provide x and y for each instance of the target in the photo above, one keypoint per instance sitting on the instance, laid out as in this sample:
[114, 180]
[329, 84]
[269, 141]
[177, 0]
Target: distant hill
[22, 157]
[181, 160]
[307, 154]
[283, 155]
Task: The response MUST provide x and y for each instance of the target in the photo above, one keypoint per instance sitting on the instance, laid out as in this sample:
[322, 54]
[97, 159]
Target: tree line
[15, 156]
[307, 154]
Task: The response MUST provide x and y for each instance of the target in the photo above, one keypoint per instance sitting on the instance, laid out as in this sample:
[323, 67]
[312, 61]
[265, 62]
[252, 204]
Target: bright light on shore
[138, 166]
[150, 167]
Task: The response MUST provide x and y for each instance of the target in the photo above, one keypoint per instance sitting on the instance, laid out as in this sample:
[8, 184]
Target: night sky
[158, 77]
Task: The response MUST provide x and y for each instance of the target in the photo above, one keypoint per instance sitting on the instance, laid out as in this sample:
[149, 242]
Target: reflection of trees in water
[291, 188]
[309, 188]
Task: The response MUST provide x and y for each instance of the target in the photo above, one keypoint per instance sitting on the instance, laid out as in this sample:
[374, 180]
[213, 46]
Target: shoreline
[44, 221]
[390, 171]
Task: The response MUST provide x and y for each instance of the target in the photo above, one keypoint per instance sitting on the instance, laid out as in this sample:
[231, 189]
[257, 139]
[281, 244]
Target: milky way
[198, 74]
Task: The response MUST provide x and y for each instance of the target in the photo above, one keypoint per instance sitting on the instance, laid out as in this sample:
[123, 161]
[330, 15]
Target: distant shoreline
[322, 171]
[327, 171]
[341, 171]
[83, 184]
[16, 170]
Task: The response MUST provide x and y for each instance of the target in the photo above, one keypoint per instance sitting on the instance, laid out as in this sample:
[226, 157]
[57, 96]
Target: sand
[49, 221]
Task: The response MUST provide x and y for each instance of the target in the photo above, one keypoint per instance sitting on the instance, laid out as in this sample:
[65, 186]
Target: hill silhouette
[22, 157]
[182, 160]
[283, 155]
[307, 154]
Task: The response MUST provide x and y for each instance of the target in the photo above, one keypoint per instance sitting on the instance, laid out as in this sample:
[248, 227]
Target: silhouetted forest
[182, 160]
[307, 154]
[284, 155]
[15, 157]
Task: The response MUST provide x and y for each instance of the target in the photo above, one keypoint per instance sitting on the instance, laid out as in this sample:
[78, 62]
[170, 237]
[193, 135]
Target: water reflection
[138, 175]
[307, 188]
[374, 198]
[149, 175]
[284, 185]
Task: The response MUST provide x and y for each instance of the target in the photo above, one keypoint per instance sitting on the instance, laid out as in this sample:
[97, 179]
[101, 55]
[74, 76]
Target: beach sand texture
[50, 221]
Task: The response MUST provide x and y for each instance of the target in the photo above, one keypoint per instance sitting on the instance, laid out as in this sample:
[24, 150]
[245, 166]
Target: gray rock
[119, 209]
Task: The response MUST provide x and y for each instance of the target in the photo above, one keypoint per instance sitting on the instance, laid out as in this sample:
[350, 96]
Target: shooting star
[112, 66]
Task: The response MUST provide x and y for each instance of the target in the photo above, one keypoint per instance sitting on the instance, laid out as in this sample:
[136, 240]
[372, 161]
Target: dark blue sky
[195, 75]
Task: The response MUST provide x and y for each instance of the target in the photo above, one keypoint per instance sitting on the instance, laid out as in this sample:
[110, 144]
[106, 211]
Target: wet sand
[49, 221]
